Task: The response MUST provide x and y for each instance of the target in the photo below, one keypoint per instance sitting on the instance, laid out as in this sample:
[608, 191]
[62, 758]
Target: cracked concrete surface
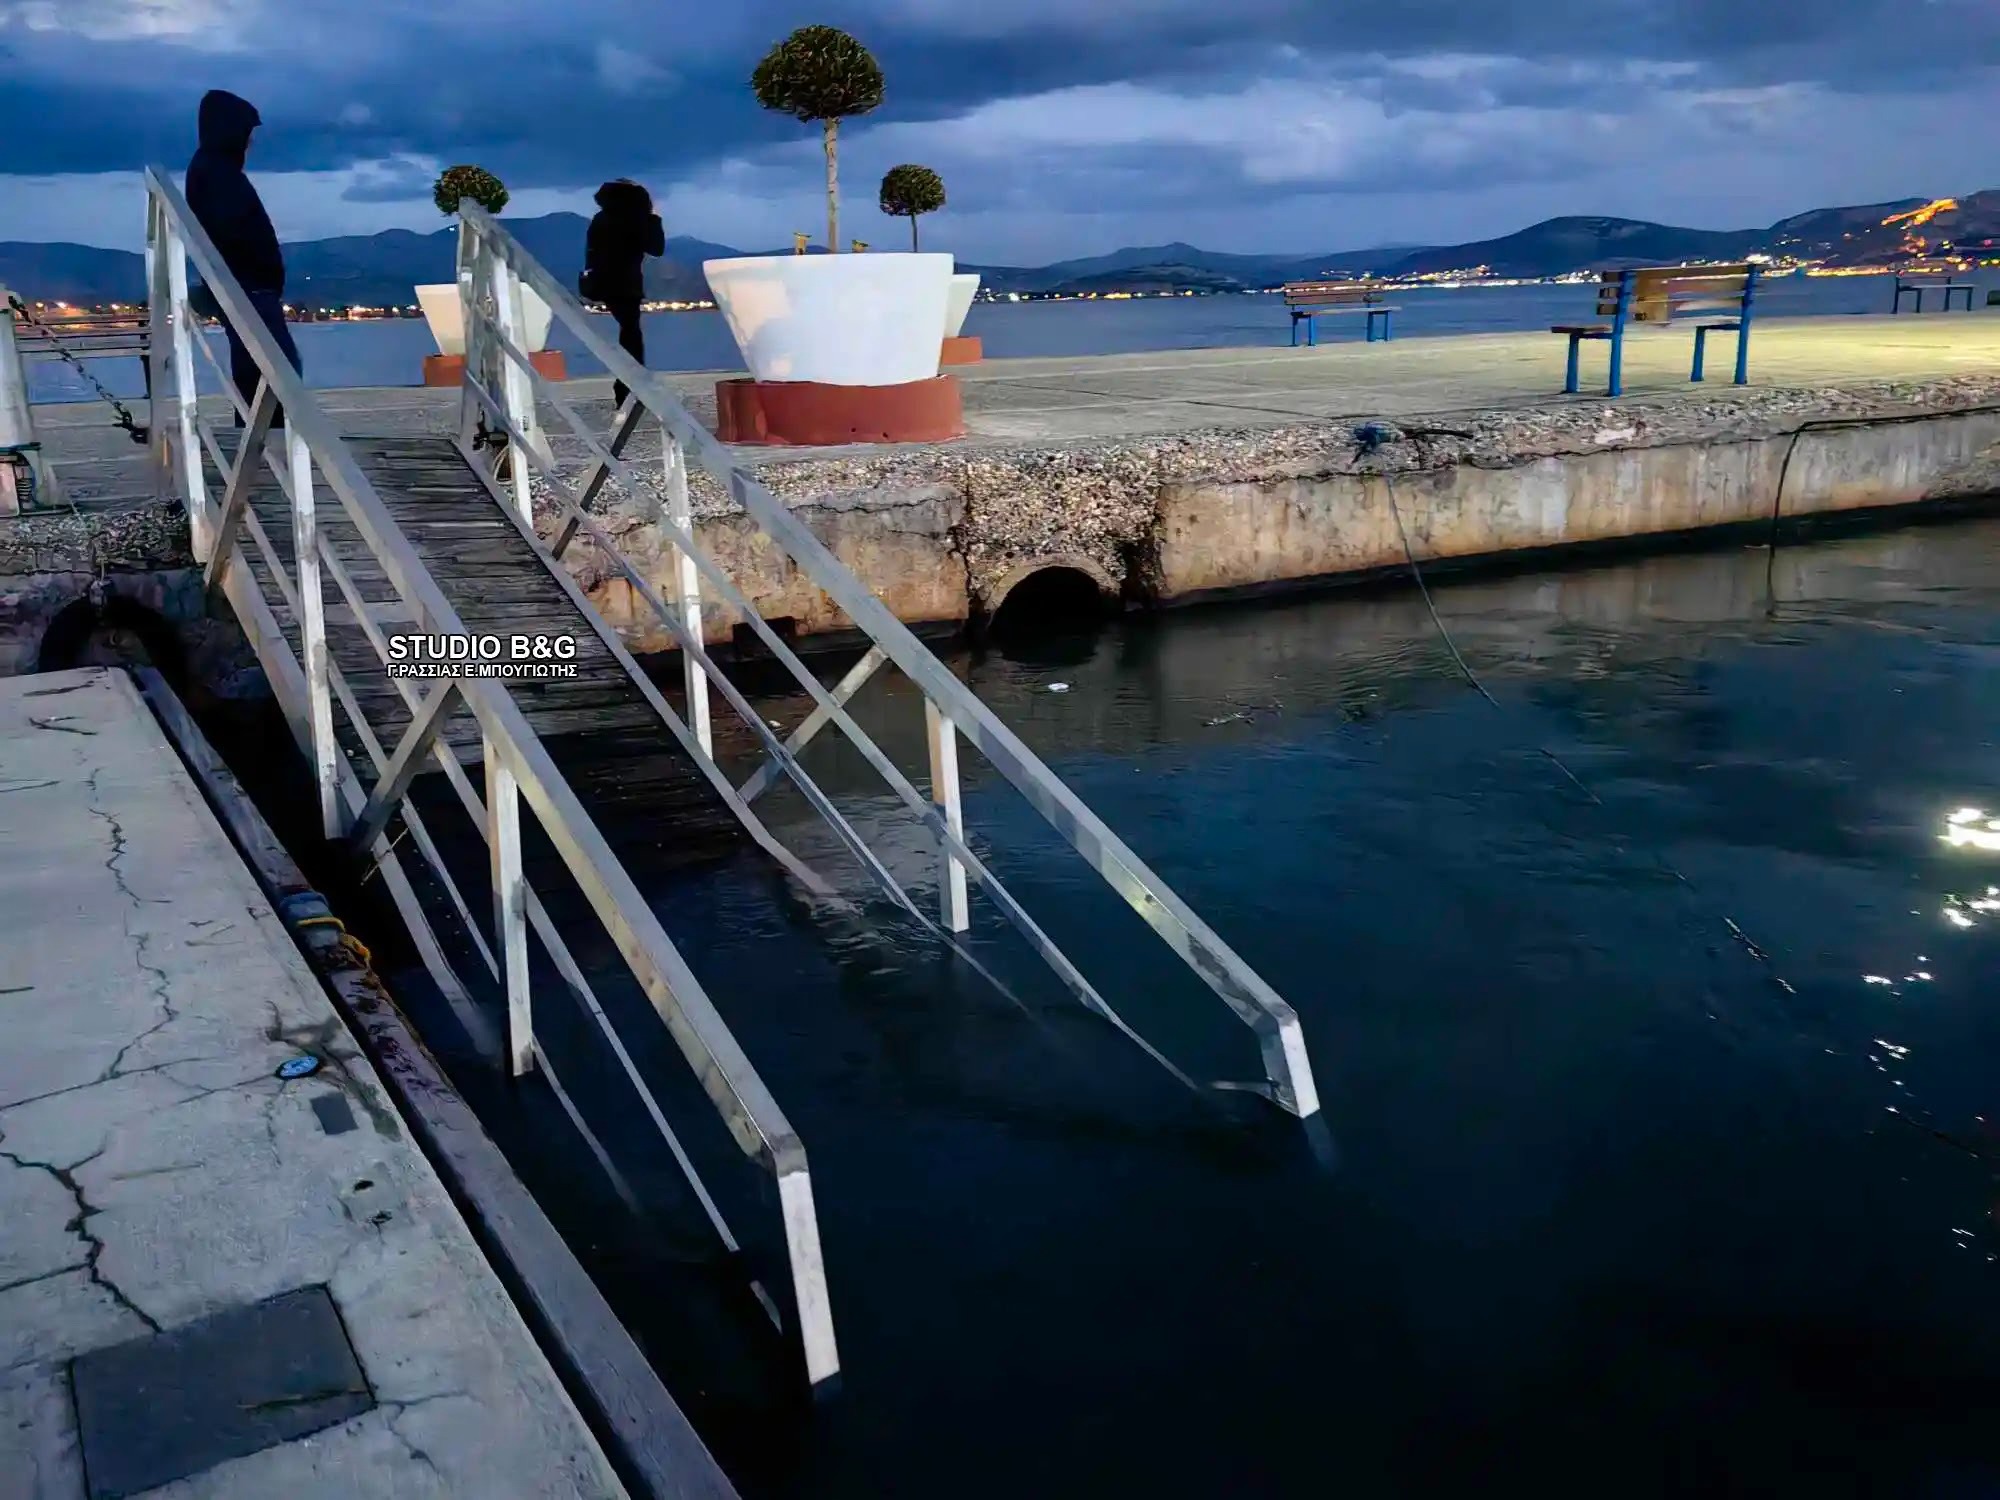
[153, 1169]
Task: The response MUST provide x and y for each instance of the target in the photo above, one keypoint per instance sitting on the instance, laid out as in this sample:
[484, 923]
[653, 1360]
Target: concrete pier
[1163, 477]
[1166, 477]
[212, 1277]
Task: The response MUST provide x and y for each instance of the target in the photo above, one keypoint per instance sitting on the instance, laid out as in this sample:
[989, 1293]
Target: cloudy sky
[1061, 127]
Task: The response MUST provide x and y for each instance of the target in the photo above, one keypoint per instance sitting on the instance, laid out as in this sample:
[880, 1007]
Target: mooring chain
[126, 420]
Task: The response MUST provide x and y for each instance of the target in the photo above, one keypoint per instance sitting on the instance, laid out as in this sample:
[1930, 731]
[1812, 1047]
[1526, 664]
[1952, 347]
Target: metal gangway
[350, 527]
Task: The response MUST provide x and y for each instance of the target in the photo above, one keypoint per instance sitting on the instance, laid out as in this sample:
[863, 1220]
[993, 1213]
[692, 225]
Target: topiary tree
[476, 183]
[910, 190]
[820, 73]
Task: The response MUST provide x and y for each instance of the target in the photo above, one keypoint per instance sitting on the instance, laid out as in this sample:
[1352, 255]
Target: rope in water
[1367, 439]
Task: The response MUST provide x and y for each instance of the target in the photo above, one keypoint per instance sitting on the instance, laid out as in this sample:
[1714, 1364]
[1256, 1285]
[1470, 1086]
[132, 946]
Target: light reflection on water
[1970, 826]
[1607, 1194]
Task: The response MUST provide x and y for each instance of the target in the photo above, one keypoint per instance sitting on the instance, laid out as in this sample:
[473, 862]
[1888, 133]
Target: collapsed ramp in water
[327, 547]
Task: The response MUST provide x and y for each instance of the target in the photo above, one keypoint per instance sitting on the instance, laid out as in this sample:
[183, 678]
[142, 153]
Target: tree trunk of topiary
[832, 128]
[913, 231]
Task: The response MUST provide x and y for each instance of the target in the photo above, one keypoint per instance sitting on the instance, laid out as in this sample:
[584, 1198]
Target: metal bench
[1929, 276]
[1659, 294]
[1308, 300]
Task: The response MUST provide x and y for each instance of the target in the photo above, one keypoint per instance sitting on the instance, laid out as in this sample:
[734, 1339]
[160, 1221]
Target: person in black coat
[624, 233]
[226, 205]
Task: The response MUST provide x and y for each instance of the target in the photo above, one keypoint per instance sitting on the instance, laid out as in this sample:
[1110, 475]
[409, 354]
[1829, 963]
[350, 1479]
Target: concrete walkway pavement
[155, 1172]
[1016, 401]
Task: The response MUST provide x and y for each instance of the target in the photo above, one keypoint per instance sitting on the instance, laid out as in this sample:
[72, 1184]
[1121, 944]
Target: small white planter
[964, 287]
[857, 319]
[446, 317]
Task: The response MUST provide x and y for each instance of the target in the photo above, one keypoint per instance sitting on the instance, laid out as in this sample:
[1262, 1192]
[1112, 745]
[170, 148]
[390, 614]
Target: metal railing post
[312, 627]
[469, 283]
[515, 392]
[943, 736]
[159, 343]
[510, 902]
[17, 428]
[687, 586]
[795, 1203]
[185, 390]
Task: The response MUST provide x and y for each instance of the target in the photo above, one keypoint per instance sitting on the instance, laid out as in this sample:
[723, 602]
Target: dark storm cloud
[549, 94]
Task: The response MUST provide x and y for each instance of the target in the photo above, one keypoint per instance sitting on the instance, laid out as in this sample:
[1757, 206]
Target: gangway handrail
[518, 766]
[493, 267]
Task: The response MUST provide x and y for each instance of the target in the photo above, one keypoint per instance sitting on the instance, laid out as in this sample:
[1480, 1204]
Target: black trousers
[631, 338]
[243, 369]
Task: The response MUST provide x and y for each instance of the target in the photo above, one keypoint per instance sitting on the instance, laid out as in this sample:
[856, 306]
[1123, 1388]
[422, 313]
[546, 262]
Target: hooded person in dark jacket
[226, 205]
[624, 233]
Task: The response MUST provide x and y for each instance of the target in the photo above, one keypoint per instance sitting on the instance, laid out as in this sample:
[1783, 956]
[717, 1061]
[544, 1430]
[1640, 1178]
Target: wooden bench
[47, 332]
[1308, 300]
[1929, 276]
[1658, 295]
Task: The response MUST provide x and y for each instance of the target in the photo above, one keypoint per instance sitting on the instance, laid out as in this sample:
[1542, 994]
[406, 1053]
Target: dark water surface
[1606, 1199]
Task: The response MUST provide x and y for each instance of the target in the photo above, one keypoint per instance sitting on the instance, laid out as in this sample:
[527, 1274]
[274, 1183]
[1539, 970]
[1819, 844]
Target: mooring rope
[1367, 439]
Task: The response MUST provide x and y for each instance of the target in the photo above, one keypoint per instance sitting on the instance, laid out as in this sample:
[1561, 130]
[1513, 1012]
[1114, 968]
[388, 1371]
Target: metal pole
[312, 629]
[159, 345]
[17, 426]
[795, 1203]
[468, 298]
[687, 586]
[944, 792]
[514, 392]
[186, 393]
[510, 902]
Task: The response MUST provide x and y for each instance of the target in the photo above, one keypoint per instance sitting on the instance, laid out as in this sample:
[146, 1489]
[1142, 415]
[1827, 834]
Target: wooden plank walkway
[607, 739]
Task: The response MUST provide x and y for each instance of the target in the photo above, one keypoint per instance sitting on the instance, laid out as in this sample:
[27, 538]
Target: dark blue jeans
[243, 369]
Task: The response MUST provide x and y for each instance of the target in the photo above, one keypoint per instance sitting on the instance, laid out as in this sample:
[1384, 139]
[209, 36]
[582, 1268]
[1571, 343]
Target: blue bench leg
[1569, 376]
[1700, 355]
[1295, 330]
[1617, 386]
[1743, 353]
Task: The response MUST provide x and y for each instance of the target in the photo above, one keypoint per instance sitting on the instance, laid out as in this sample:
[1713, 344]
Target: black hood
[624, 197]
[226, 122]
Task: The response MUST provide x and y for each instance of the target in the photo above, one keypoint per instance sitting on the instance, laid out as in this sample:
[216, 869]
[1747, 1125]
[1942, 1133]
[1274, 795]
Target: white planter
[964, 287]
[860, 319]
[446, 317]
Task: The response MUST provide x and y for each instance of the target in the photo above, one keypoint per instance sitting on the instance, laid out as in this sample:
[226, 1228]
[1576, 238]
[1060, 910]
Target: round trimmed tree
[476, 183]
[910, 190]
[821, 75]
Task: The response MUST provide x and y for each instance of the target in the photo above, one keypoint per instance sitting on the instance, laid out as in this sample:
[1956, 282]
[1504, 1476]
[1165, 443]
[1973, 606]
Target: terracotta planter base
[806, 414]
[962, 349]
[449, 369]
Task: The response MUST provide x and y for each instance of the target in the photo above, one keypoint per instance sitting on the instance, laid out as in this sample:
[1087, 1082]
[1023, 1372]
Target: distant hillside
[1884, 232]
[1151, 267]
[1581, 244]
[1161, 278]
[381, 269]
[72, 273]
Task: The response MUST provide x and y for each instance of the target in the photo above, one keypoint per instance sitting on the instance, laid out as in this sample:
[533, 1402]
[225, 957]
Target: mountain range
[380, 269]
